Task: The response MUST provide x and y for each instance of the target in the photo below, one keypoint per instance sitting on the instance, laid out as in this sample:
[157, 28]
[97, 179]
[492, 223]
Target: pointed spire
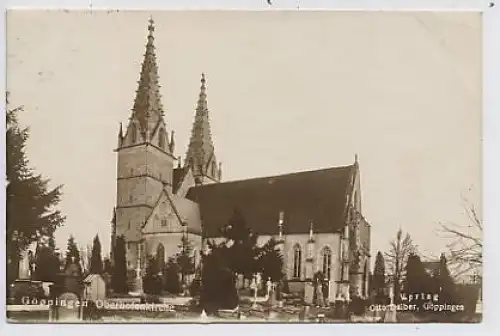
[311, 230]
[201, 154]
[148, 109]
[356, 158]
[202, 99]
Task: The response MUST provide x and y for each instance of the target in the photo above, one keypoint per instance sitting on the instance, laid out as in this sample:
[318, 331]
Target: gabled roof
[91, 277]
[320, 196]
[431, 266]
[178, 177]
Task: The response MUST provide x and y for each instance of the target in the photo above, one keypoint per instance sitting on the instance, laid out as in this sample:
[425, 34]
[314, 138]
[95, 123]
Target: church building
[316, 216]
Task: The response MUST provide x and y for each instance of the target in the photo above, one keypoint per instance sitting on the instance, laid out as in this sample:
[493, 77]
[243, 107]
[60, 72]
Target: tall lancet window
[297, 261]
[214, 169]
[326, 256]
[133, 131]
[161, 138]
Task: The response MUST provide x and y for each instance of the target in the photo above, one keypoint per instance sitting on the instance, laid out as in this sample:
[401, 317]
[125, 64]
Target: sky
[287, 91]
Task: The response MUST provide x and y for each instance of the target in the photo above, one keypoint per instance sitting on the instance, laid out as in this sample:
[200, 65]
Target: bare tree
[466, 246]
[396, 259]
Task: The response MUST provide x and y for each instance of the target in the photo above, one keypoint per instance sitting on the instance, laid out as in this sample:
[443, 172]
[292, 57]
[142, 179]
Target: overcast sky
[287, 91]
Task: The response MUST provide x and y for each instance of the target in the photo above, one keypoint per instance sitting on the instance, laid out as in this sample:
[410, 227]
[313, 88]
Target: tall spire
[148, 109]
[200, 155]
[202, 99]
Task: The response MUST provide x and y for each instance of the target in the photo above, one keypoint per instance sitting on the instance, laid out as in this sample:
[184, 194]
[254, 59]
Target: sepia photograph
[225, 166]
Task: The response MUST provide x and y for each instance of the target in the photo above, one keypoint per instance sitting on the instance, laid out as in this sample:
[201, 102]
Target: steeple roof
[148, 109]
[201, 154]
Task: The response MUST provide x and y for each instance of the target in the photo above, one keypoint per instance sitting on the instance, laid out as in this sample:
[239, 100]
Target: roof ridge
[277, 176]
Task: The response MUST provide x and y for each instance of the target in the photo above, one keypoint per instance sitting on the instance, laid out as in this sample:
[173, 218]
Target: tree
[96, 259]
[218, 290]
[119, 278]
[378, 278]
[396, 260]
[30, 203]
[444, 283]
[73, 255]
[242, 245]
[107, 266]
[171, 274]
[185, 258]
[466, 246]
[417, 279]
[270, 261]
[47, 262]
[152, 282]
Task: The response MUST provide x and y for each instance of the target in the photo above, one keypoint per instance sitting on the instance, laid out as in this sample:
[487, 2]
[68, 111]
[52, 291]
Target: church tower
[145, 157]
[200, 157]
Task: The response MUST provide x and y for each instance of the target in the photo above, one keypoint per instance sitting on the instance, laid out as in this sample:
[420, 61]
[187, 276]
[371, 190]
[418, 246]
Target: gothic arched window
[161, 138]
[160, 256]
[214, 168]
[297, 261]
[326, 257]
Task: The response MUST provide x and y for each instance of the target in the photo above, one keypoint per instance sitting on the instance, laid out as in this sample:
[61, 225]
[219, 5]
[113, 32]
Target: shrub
[357, 306]
[152, 284]
[195, 288]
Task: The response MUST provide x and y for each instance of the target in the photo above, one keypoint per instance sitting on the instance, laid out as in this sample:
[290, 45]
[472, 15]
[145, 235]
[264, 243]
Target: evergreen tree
[171, 274]
[96, 259]
[242, 245]
[30, 203]
[185, 258]
[107, 266]
[417, 279]
[152, 282]
[119, 278]
[73, 255]
[218, 290]
[270, 261]
[378, 283]
[47, 262]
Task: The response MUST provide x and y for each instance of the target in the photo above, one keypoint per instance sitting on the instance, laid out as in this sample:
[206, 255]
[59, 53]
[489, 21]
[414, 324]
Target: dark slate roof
[178, 177]
[318, 195]
[431, 266]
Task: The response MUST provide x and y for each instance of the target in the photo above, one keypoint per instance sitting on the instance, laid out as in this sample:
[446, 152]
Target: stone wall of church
[311, 259]
[323, 242]
[129, 222]
[138, 191]
[145, 160]
[159, 164]
[171, 242]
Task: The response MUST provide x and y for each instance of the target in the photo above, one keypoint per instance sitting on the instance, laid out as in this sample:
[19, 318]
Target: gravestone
[68, 308]
[272, 301]
[24, 266]
[309, 293]
[240, 281]
[258, 280]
